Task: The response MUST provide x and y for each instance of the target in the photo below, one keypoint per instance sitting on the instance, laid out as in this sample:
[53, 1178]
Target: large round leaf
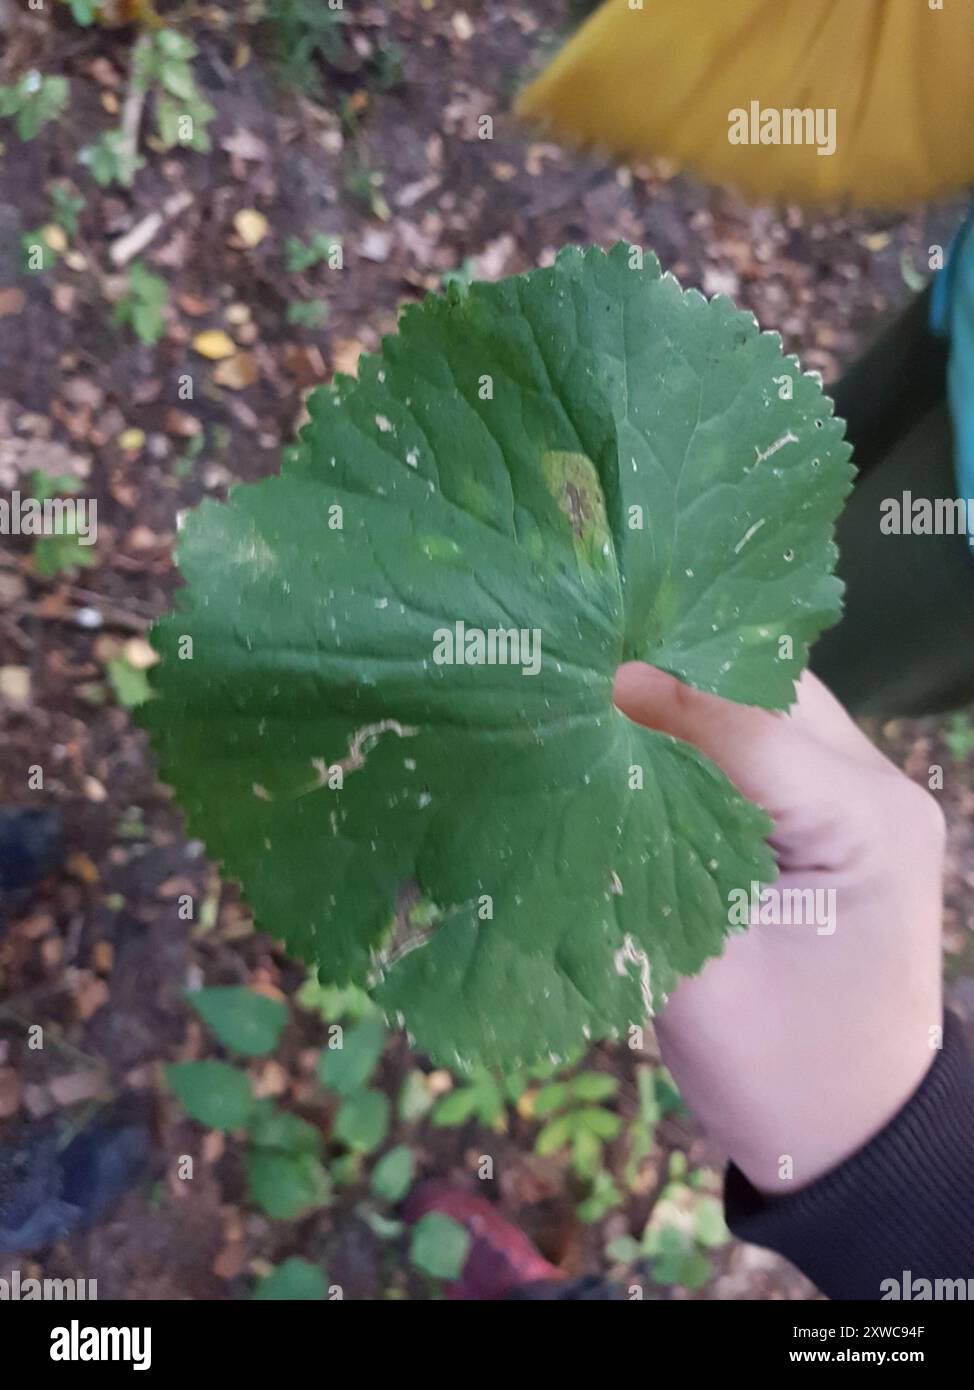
[586, 456]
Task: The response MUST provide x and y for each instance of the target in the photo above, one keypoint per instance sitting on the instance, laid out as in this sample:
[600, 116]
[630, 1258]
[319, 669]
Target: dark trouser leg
[905, 645]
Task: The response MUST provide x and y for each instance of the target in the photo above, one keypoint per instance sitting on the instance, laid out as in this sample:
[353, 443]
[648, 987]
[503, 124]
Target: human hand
[802, 1041]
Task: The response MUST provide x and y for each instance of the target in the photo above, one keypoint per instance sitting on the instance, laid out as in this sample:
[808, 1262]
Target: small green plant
[296, 1280]
[144, 306]
[66, 208]
[603, 1197]
[331, 1002]
[308, 34]
[285, 1156]
[283, 1160]
[83, 12]
[959, 737]
[392, 1176]
[129, 683]
[351, 1055]
[685, 1224]
[33, 101]
[484, 1095]
[37, 253]
[161, 68]
[657, 1097]
[577, 1119]
[479, 1097]
[69, 546]
[183, 466]
[387, 64]
[307, 313]
[304, 255]
[364, 185]
[439, 1246]
[163, 64]
[111, 158]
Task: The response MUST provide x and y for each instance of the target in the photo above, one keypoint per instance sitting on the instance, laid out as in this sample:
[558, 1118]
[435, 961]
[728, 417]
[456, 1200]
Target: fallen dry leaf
[103, 957]
[214, 344]
[94, 790]
[181, 424]
[245, 145]
[237, 372]
[132, 441]
[15, 687]
[194, 305]
[271, 1080]
[140, 654]
[83, 867]
[251, 226]
[345, 354]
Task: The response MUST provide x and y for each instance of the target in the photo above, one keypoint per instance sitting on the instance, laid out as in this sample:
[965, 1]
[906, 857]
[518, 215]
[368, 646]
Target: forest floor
[385, 157]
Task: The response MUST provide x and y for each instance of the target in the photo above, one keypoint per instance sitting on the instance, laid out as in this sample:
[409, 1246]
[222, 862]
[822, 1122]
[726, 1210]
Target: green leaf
[455, 1108]
[490, 466]
[393, 1174]
[83, 11]
[959, 737]
[55, 554]
[311, 314]
[439, 1246]
[594, 1085]
[709, 1225]
[130, 683]
[601, 1122]
[383, 1227]
[66, 207]
[346, 1170]
[415, 1100]
[603, 1198]
[551, 1098]
[270, 1128]
[241, 1018]
[624, 1250]
[334, 1003]
[110, 159]
[683, 1265]
[33, 102]
[482, 1098]
[363, 1121]
[213, 1093]
[294, 1280]
[586, 1152]
[287, 1185]
[555, 1135]
[347, 1069]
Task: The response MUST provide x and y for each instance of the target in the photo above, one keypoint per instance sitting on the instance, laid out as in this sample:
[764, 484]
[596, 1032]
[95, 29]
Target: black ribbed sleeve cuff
[901, 1209]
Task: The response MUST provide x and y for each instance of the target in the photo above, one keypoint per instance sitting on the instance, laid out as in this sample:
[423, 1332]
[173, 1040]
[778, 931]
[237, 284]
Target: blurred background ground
[377, 146]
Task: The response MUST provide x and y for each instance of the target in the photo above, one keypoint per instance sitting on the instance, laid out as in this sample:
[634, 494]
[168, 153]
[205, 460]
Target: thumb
[811, 769]
[756, 748]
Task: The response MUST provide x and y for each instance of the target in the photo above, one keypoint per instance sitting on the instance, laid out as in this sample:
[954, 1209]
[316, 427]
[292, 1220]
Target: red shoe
[501, 1258]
